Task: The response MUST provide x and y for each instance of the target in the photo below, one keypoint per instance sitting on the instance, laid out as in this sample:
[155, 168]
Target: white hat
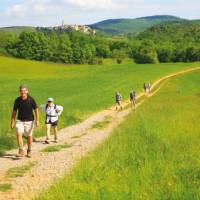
[50, 99]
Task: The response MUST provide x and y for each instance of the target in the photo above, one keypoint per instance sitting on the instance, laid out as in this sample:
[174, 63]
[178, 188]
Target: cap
[50, 99]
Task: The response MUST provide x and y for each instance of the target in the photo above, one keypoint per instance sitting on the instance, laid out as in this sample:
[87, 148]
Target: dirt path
[81, 138]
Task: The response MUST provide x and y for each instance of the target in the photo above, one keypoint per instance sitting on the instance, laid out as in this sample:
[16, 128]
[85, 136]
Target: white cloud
[91, 4]
[51, 12]
[32, 7]
[16, 10]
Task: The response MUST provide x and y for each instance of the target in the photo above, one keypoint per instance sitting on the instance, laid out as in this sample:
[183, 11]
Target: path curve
[83, 138]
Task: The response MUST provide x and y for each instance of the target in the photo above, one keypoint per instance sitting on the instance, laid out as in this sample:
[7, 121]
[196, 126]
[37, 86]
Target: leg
[29, 142]
[134, 103]
[20, 140]
[120, 104]
[29, 130]
[20, 131]
[48, 129]
[116, 106]
[20, 145]
[55, 133]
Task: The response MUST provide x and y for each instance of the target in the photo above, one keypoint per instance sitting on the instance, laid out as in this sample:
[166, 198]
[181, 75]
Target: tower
[63, 23]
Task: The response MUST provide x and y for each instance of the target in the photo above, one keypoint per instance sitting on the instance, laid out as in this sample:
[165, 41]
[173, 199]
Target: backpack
[54, 109]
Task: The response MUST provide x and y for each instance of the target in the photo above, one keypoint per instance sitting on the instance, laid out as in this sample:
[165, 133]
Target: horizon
[51, 12]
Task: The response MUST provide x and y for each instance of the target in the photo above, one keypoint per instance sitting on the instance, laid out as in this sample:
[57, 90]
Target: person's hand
[37, 123]
[12, 124]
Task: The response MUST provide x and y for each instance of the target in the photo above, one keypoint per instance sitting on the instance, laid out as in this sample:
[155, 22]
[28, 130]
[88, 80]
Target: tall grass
[154, 154]
[81, 89]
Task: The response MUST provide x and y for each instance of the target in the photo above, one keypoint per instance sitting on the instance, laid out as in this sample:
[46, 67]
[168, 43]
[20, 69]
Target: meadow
[154, 154]
[81, 89]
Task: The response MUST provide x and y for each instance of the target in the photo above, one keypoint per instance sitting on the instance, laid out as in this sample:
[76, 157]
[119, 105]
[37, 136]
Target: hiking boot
[20, 153]
[29, 153]
[46, 142]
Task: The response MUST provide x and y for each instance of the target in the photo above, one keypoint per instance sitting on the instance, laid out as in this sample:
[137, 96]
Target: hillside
[17, 29]
[121, 26]
[187, 31]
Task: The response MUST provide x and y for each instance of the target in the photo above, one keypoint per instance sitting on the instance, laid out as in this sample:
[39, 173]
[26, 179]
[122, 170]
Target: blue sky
[51, 12]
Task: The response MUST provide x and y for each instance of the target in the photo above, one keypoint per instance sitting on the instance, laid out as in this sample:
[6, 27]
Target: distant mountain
[124, 26]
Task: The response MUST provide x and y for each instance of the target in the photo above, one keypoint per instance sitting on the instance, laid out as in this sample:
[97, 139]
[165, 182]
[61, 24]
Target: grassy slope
[82, 90]
[120, 26]
[154, 154]
[16, 30]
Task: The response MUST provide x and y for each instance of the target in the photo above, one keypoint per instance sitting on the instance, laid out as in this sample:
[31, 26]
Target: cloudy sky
[51, 12]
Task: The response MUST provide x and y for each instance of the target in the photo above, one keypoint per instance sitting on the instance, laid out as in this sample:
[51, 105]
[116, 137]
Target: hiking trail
[74, 141]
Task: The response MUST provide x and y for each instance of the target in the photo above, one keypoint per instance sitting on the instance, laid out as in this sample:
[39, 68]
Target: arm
[12, 122]
[59, 109]
[37, 116]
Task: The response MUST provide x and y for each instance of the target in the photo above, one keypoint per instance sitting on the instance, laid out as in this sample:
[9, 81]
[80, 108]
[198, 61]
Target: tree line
[168, 42]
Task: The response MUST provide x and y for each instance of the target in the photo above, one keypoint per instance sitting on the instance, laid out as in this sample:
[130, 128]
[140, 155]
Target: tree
[31, 45]
[64, 51]
[193, 54]
[146, 53]
[119, 55]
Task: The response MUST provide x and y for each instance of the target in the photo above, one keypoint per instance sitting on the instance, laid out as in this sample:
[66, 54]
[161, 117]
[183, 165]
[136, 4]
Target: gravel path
[81, 137]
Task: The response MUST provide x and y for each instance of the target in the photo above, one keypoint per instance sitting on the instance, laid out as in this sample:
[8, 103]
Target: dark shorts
[133, 99]
[118, 102]
[54, 124]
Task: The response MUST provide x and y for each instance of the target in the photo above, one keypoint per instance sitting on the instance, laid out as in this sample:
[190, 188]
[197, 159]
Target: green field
[154, 154]
[81, 89]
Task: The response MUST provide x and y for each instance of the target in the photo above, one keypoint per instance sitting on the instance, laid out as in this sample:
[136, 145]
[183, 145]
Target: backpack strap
[50, 115]
[46, 107]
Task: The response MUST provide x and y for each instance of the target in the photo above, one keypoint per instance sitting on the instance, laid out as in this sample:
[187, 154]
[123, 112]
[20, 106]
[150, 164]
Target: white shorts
[25, 127]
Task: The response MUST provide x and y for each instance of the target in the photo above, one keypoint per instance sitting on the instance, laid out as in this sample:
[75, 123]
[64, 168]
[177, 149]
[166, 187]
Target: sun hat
[50, 99]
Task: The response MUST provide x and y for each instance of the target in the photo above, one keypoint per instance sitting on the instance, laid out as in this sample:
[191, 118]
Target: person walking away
[52, 112]
[118, 99]
[23, 108]
[149, 87]
[145, 87]
[133, 98]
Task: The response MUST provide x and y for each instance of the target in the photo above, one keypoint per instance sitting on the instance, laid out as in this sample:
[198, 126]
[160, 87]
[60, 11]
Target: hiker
[52, 112]
[23, 107]
[133, 98]
[149, 87]
[145, 87]
[118, 99]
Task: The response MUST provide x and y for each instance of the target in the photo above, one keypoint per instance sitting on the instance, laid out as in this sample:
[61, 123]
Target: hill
[17, 29]
[174, 31]
[124, 26]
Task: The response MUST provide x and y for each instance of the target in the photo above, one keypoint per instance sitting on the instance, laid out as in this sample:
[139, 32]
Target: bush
[146, 53]
[119, 61]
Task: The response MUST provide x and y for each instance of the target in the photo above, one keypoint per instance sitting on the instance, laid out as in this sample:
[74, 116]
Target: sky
[52, 12]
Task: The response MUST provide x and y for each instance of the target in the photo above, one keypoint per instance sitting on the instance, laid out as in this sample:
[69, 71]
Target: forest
[177, 41]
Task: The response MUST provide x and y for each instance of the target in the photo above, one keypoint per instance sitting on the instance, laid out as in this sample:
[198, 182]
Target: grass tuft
[56, 148]
[4, 187]
[102, 124]
[19, 171]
